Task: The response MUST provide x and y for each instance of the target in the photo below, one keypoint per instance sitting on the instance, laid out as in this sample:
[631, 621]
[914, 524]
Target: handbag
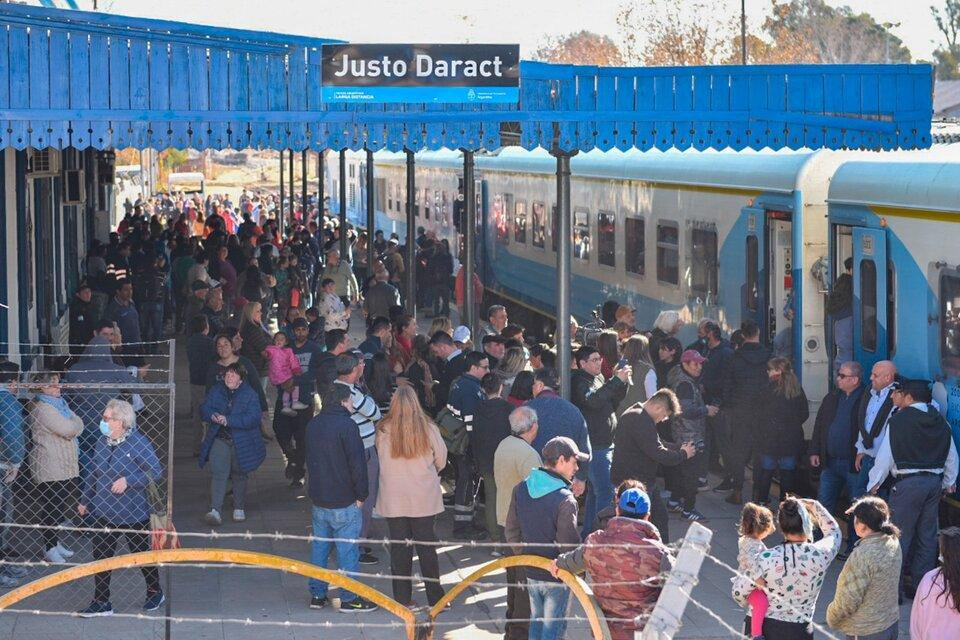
[163, 535]
[453, 431]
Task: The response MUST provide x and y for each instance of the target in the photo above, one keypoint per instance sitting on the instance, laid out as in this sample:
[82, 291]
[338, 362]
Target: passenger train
[724, 235]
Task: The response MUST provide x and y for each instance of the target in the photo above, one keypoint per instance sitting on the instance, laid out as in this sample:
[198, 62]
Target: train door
[769, 270]
[755, 280]
[869, 296]
[780, 260]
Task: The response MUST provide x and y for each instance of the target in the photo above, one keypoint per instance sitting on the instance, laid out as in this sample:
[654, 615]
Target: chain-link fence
[85, 445]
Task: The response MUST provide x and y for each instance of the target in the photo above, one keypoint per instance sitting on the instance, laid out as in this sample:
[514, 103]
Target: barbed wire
[723, 623]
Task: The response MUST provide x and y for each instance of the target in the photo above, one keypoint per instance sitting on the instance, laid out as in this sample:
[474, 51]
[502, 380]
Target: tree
[948, 56]
[583, 47]
[660, 32]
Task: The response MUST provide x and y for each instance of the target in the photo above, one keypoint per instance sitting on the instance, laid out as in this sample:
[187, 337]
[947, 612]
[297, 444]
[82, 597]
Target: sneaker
[694, 516]
[674, 506]
[316, 602]
[96, 610]
[299, 406]
[703, 485]
[288, 411]
[496, 553]
[213, 518]
[154, 600]
[8, 581]
[53, 556]
[368, 558]
[16, 570]
[358, 605]
[296, 483]
[66, 553]
[239, 515]
[726, 485]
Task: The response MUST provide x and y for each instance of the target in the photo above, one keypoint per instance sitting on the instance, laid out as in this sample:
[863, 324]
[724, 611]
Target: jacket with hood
[242, 410]
[620, 575]
[745, 377]
[597, 401]
[691, 425]
[543, 510]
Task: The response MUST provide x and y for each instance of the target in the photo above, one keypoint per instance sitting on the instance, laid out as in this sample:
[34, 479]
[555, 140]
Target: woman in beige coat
[412, 454]
[53, 460]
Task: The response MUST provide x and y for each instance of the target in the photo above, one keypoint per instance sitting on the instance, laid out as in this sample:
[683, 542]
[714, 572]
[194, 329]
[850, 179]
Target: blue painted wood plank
[277, 99]
[567, 101]
[199, 93]
[795, 101]
[60, 88]
[645, 101]
[314, 102]
[120, 89]
[180, 93]
[239, 98]
[833, 104]
[606, 101]
[436, 135]
[39, 85]
[139, 89]
[259, 75]
[490, 131]
[906, 101]
[870, 104]
[740, 133]
[683, 101]
[99, 90]
[759, 133]
[297, 95]
[813, 96]
[663, 104]
[587, 104]
[777, 103]
[4, 82]
[719, 101]
[159, 93]
[79, 87]
[219, 86]
[852, 104]
[702, 129]
[626, 94]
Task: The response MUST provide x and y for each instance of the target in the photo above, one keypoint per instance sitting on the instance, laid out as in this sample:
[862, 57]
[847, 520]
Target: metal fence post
[172, 390]
[667, 615]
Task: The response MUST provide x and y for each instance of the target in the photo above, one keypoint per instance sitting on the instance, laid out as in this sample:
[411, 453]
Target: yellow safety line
[168, 556]
[597, 625]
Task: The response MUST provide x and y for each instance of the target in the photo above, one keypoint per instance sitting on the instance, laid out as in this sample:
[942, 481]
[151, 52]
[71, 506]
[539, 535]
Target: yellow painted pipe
[172, 556]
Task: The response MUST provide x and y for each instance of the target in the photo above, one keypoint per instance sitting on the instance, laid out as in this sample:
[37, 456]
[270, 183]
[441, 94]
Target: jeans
[335, 523]
[223, 467]
[764, 476]
[599, 488]
[151, 314]
[890, 633]
[836, 476]
[373, 481]
[548, 609]
[914, 503]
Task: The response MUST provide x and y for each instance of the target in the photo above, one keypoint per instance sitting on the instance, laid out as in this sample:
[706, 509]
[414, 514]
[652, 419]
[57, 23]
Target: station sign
[420, 73]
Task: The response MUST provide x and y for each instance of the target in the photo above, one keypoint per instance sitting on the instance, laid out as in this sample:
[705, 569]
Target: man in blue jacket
[466, 394]
[559, 417]
[337, 486]
[12, 451]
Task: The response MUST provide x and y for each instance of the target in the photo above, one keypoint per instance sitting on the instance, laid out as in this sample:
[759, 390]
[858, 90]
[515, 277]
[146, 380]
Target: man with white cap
[461, 337]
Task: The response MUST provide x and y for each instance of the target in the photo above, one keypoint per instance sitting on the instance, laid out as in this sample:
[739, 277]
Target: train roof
[775, 171]
[905, 180]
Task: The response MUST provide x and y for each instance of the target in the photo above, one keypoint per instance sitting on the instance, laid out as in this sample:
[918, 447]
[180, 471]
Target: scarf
[57, 403]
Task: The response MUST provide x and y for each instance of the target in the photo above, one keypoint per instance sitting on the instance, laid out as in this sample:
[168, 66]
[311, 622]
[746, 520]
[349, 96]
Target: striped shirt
[365, 413]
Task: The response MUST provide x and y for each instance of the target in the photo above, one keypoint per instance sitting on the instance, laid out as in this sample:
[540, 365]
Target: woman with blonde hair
[441, 323]
[783, 410]
[412, 453]
[643, 379]
[513, 362]
[667, 325]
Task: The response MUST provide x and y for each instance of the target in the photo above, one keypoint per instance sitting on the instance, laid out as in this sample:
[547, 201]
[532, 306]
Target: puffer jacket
[630, 566]
[745, 378]
[866, 598]
[692, 423]
[242, 410]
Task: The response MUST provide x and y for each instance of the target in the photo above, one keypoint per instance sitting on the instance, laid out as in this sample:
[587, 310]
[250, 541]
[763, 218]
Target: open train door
[870, 342]
[754, 296]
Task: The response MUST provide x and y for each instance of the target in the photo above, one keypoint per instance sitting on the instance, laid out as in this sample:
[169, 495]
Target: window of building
[520, 222]
[868, 305]
[635, 245]
[703, 262]
[668, 252]
[606, 238]
[753, 255]
[537, 224]
[581, 234]
[950, 324]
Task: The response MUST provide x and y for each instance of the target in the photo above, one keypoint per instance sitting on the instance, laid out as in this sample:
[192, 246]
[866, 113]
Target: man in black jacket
[337, 474]
[638, 451]
[744, 383]
[81, 318]
[718, 354]
[337, 341]
[597, 400]
[491, 424]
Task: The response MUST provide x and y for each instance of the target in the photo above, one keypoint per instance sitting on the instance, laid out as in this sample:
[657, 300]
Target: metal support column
[280, 209]
[303, 184]
[371, 218]
[563, 272]
[411, 258]
[468, 315]
[320, 187]
[343, 204]
[293, 191]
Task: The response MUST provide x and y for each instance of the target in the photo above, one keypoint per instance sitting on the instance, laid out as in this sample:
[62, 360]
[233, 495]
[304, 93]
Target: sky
[526, 22]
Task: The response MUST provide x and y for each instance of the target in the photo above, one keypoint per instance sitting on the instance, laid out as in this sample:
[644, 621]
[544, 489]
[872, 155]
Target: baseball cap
[199, 284]
[562, 446]
[692, 356]
[634, 501]
[623, 310]
[461, 334]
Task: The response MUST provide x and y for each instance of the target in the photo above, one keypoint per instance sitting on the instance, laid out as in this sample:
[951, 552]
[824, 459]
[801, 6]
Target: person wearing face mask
[123, 465]
[233, 445]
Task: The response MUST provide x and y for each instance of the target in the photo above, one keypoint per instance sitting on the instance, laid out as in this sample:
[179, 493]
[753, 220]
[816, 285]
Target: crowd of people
[405, 425]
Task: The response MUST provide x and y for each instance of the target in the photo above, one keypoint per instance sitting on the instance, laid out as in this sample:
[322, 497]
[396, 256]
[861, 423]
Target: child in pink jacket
[283, 367]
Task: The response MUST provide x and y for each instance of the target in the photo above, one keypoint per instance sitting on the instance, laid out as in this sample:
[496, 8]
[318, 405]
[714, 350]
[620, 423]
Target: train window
[426, 204]
[753, 276]
[537, 224]
[443, 207]
[437, 211]
[868, 305]
[352, 197]
[353, 170]
[581, 234]
[501, 216]
[520, 222]
[606, 234]
[390, 198]
[891, 309]
[416, 203]
[668, 252]
[950, 324]
[636, 242]
[703, 262]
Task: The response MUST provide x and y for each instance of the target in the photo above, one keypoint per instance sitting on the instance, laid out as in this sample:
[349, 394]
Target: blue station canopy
[81, 79]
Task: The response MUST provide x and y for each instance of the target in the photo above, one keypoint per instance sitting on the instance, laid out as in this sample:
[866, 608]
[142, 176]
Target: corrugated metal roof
[80, 79]
[946, 97]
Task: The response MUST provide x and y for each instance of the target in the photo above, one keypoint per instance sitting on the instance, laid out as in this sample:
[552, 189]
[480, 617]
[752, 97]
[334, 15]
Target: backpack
[453, 430]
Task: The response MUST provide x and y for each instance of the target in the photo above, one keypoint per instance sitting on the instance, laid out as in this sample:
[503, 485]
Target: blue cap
[635, 501]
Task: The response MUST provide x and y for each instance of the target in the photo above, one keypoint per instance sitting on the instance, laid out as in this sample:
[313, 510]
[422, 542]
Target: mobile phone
[621, 363]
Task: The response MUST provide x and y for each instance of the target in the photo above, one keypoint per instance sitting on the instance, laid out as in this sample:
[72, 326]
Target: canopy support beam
[469, 311]
[343, 204]
[563, 271]
[411, 257]
[371, 219]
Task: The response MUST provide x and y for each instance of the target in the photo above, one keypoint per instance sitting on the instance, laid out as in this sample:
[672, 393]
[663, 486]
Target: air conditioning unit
[73, 186]
[43, 163]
